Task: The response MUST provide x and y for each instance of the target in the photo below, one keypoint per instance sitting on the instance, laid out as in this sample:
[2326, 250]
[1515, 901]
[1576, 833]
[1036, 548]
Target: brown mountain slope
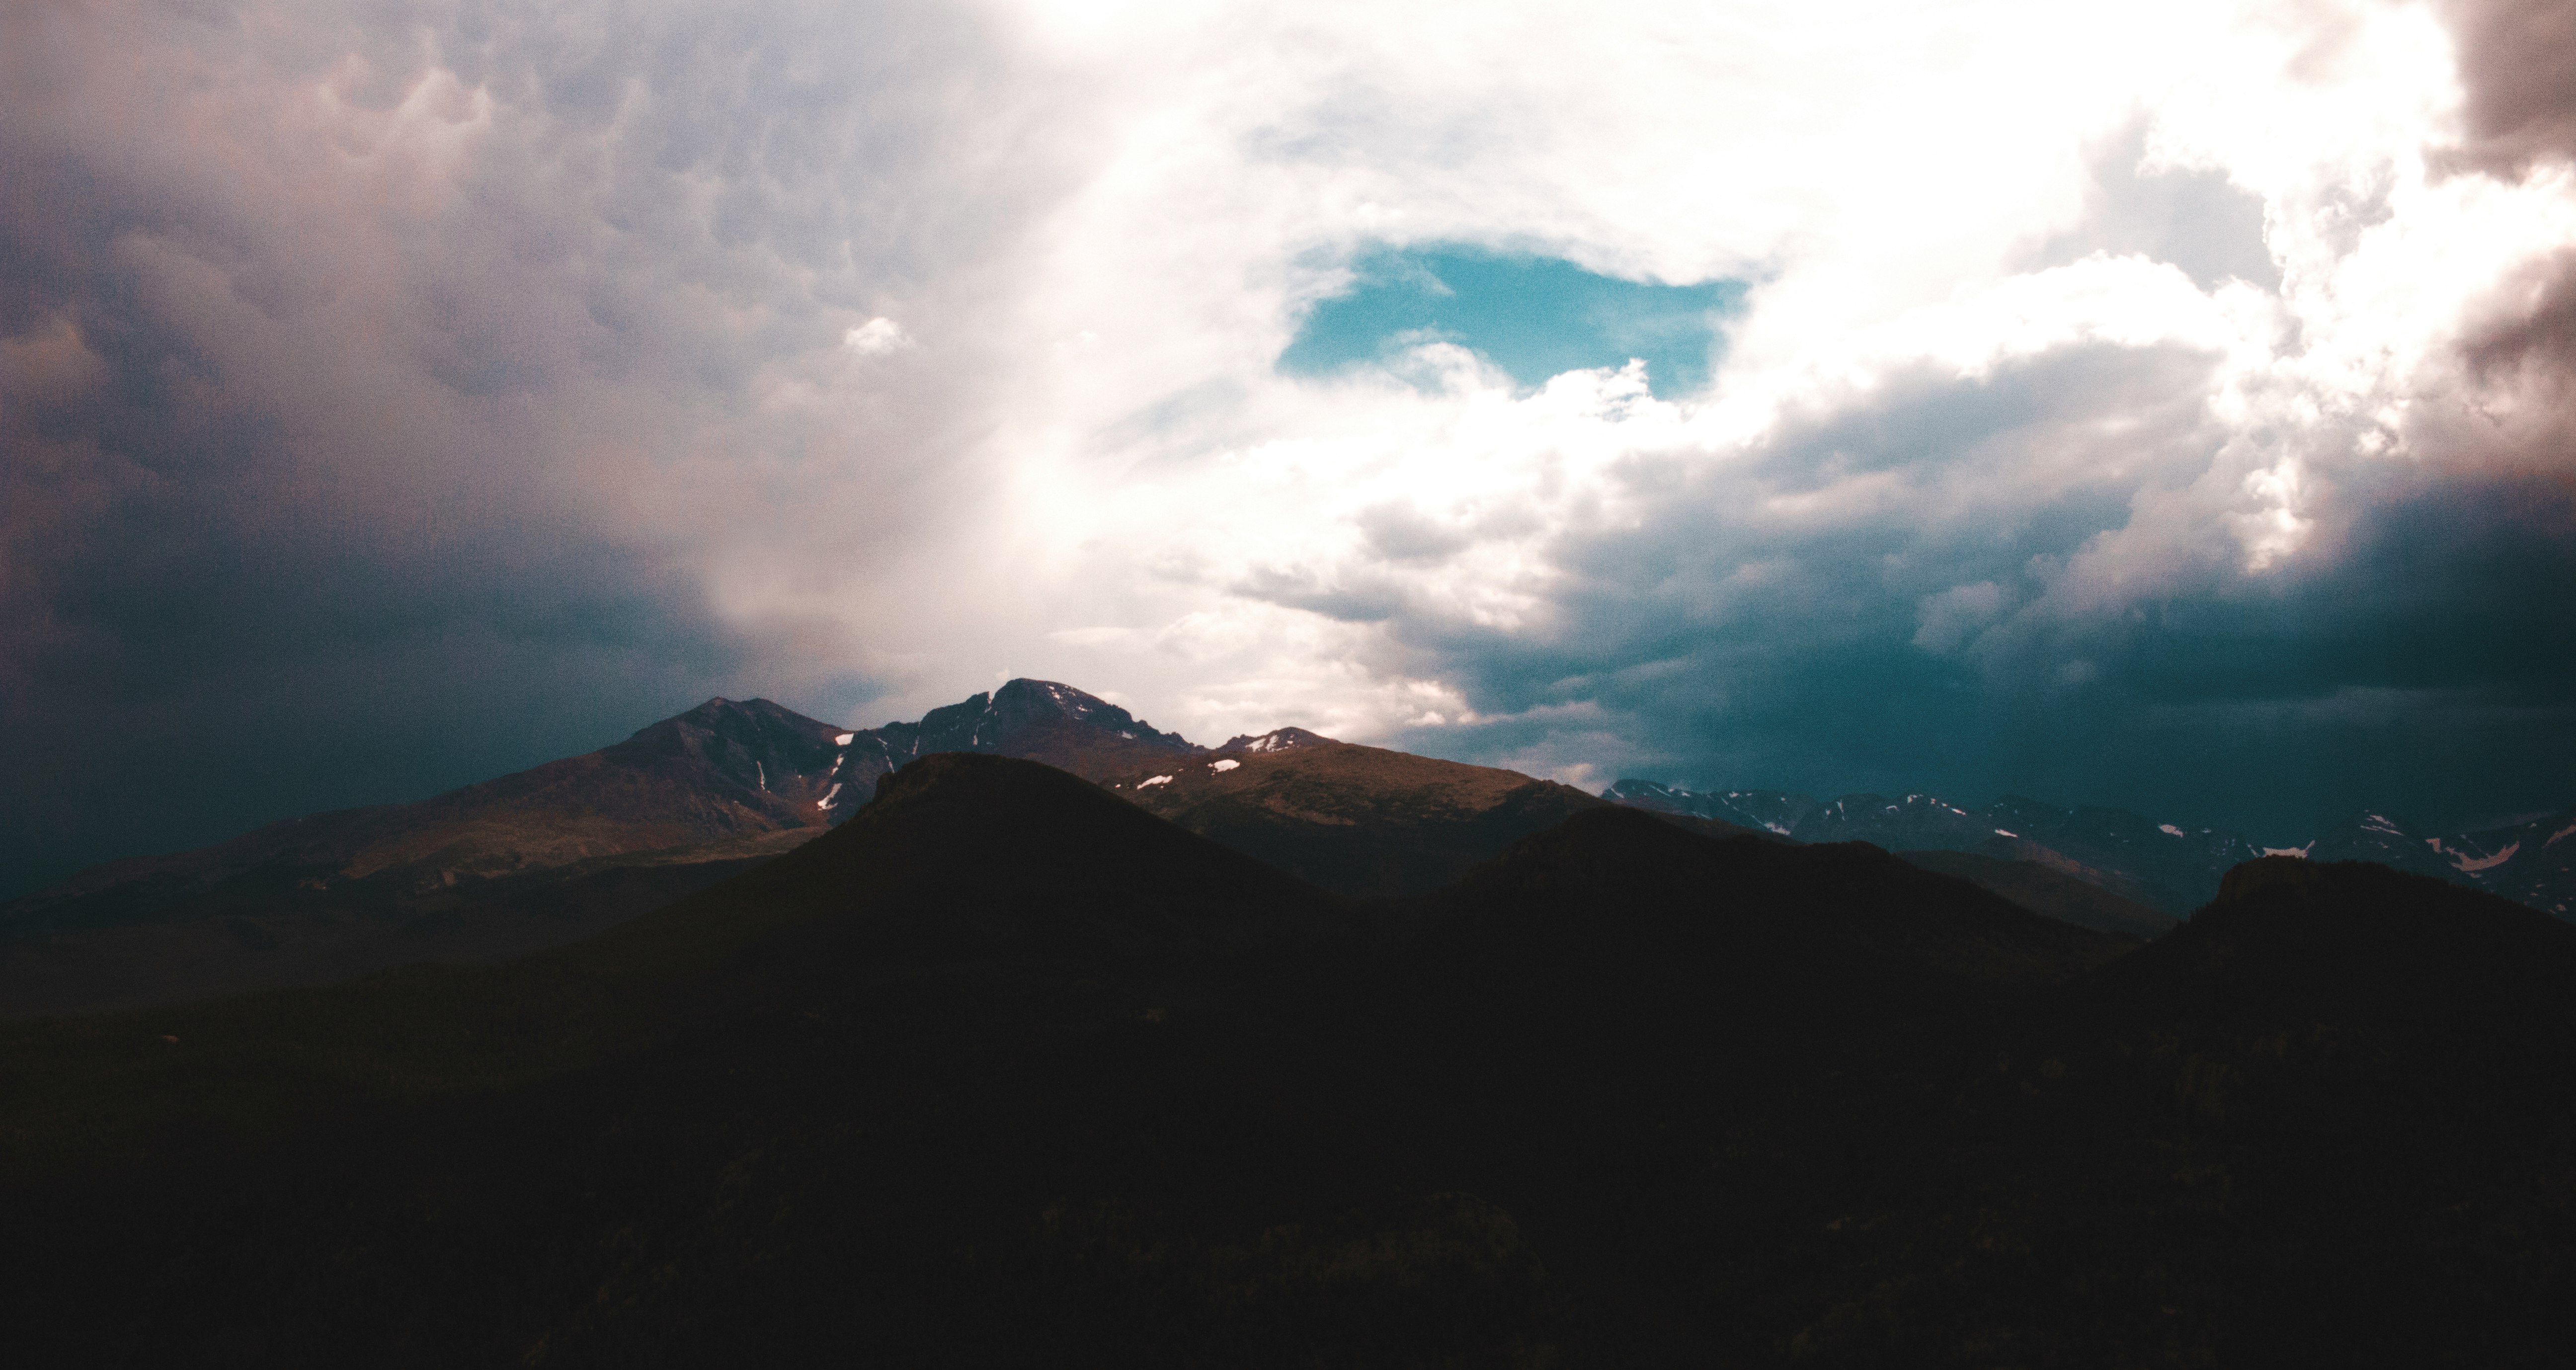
[724, 770]
[1353, 819]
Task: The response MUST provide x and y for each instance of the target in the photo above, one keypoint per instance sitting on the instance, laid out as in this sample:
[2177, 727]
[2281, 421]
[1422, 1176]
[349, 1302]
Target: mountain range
[1005, 1069]
[573, 846]
[2531, 860]
[565, 849]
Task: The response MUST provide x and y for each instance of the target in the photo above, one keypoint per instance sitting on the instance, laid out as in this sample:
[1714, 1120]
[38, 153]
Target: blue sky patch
[1535, 317]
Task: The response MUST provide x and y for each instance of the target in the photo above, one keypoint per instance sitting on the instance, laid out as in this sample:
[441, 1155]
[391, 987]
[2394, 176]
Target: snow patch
[1157, 780]
[2562, 832]
[1281, 739]
[825, 803]
[1225, 765]
[2299, 852]
[2169, 829]
[2380, 824]
[2001, 833]
[764, 776]
[1129, 736]
[843, 740]
[2467, 866]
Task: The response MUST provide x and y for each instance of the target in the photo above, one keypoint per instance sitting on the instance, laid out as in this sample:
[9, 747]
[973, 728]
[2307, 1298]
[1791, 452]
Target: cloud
[381, 374]
[877, 337]
[2518, 66]
[2194, 218]
[2153, 404]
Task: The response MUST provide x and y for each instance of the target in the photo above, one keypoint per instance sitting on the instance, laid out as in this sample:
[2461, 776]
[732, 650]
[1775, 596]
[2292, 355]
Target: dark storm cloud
[2020, 583]
[2518, 69]
[347, 356]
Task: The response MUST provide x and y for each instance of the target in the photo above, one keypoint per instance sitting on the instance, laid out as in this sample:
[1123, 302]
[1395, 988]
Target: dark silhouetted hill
[1003, 1069]
[1006, 1070]
[2322, 1122]
[2048, 890]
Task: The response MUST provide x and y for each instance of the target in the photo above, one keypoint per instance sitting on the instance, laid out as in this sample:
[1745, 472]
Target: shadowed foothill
[1007, 1068]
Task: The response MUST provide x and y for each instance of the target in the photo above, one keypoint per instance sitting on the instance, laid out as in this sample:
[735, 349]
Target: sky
[2166, 405]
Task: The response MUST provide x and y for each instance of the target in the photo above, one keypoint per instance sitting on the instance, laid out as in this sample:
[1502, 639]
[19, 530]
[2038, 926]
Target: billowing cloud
[393, 396]
[2518, 71]
[2164, 405]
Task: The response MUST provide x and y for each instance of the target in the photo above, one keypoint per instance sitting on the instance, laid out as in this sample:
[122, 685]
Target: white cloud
[877, 337]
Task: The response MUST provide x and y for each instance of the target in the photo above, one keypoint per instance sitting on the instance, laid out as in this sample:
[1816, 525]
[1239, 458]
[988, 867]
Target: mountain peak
[1037, 720]
[1276, 740]
[747, 732]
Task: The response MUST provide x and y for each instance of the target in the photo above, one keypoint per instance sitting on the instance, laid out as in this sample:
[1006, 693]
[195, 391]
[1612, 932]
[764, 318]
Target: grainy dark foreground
[1006, 1070]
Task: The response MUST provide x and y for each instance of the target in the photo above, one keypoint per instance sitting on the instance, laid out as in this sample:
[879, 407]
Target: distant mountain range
[569, 847]
[2164, 865]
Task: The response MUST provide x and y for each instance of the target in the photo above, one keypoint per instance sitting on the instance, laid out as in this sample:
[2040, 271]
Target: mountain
[526, 860]
[2317, 1124]
[2531, 861]
[2045, 889]
[1773, 811]
[310, 937]
[1353, 819]
[1006, 1071]
[2161, 865]
[721, 771]
[1035, 720]
[2174, 868]
[1001, 1070]
[1746, 927]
